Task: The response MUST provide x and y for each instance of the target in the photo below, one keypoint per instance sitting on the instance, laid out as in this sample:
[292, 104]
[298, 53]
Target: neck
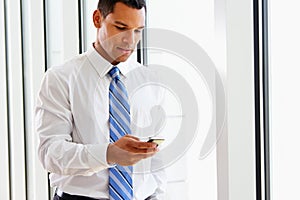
[104, 54]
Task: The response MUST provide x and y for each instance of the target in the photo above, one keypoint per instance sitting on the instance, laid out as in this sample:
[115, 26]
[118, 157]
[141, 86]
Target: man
[83, 115]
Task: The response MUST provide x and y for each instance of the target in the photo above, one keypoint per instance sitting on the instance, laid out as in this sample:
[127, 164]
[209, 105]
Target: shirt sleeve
[54, 125]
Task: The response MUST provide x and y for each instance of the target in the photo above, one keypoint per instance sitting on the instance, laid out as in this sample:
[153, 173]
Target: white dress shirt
[72, 115]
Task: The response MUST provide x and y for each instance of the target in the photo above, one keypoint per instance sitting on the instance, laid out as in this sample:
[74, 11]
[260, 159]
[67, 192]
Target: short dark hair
[107, 6]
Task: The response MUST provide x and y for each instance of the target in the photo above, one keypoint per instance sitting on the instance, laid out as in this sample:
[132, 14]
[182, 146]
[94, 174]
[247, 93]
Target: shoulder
[143, 73]
[68, 69]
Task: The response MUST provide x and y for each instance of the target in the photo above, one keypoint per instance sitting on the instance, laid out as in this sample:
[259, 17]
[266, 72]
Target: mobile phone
[158, 141]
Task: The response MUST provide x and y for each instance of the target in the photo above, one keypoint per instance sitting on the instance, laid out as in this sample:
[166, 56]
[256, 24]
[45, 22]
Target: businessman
[83, 115]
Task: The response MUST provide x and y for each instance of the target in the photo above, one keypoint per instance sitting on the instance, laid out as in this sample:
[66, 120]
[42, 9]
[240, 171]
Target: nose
[128, 37]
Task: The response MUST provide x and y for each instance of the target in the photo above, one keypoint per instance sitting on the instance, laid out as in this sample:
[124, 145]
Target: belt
[67, 196]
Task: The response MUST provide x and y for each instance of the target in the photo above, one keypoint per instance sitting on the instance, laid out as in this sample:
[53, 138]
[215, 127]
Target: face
[118, 33]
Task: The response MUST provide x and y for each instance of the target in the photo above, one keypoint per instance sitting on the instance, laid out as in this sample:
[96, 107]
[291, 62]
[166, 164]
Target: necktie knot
[114, 73]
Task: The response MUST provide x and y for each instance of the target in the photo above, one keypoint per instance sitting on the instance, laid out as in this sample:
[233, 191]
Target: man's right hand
[128, 150]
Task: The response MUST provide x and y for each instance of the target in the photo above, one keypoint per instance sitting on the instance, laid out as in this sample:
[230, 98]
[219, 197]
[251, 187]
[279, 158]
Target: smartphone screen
[158, 141]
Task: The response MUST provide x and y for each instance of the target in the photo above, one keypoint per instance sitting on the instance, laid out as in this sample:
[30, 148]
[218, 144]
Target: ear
[97, 18]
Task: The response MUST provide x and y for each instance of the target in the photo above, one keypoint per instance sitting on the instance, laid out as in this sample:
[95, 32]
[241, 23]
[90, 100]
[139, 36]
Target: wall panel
[15, 107]
[4, 151]
[21, 69]
[33, 68]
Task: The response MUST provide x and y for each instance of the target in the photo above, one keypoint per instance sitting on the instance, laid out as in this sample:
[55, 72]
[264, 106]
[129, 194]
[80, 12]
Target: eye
[138, 31]
[120, 28]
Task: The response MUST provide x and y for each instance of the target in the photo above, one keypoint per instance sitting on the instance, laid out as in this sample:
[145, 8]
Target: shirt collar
[102, 66]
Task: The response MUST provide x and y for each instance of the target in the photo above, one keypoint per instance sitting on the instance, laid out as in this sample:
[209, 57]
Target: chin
[122, 58]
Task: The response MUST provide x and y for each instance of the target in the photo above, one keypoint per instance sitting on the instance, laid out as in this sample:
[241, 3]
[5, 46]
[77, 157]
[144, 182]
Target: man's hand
[128, 150]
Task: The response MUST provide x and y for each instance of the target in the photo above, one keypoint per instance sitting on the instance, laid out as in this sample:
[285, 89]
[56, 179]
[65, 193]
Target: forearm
[67, 158]
[58, 152]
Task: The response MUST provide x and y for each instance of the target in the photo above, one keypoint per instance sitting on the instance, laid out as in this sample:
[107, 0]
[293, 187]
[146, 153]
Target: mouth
[124, 50]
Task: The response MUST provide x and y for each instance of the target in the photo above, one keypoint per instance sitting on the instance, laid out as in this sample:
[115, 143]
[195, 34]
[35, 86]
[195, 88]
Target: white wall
[285, 97]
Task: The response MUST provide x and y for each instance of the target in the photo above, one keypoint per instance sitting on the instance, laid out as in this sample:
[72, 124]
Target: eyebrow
[123, 24]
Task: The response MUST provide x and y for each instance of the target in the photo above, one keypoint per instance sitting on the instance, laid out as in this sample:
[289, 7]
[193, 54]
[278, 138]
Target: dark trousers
[56, 197]
[72, 197]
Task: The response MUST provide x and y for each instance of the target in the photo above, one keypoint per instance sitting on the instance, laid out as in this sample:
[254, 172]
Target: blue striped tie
[120, 181]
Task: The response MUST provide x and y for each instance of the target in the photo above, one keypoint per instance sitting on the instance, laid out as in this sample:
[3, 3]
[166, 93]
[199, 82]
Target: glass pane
[189, 177]
[89, 31]
[62, 31]
[54, 32]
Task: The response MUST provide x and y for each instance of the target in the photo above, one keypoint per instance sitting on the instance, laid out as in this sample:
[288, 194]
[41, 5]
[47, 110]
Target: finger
[133, 149]
[142, 145]
[133, 137]
[143, 151]
[140, 156]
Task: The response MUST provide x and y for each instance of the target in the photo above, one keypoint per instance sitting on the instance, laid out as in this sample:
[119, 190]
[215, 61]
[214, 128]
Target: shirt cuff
[98, 156]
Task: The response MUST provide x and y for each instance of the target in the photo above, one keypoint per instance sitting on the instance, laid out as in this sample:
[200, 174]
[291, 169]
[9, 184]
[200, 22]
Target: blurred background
[256, 155]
